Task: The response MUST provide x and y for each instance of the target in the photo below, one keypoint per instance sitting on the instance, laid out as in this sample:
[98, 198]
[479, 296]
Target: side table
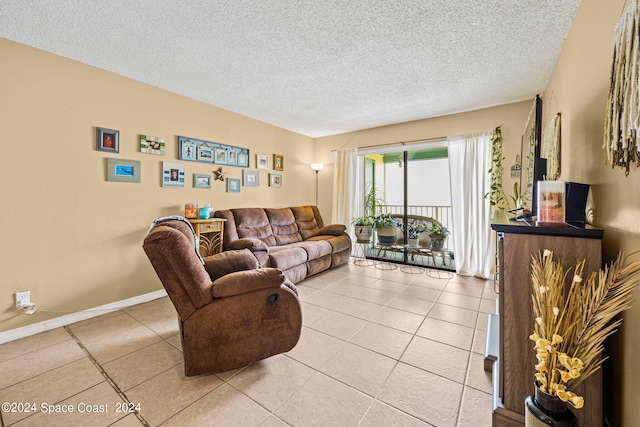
[210, 234]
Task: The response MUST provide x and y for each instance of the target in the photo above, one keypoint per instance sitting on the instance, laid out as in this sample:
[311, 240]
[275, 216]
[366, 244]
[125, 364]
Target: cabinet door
[517, 358]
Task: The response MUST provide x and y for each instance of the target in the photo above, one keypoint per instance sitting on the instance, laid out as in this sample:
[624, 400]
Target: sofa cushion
[286, 257]
[333, 230]
[314, 248]
[306, 220]
[253, 223]
[283, 226]
[338, 243]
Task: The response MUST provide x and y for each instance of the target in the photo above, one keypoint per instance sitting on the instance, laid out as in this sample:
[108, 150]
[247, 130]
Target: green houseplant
[438, 234]
[363, 225]
[386, 229]
[363, 228]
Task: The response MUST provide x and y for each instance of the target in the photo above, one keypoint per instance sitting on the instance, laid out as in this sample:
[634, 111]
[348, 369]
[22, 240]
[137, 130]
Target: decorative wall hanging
[172, 175]
[120, 170]
[250, 178]
[621, 120]
[218, 174]
[198, 150]
[201, 180]
[152, 144]
[496, 196]
[233, 185]
[278, 162]
[107, 140]
[550, 147]
[262, 161]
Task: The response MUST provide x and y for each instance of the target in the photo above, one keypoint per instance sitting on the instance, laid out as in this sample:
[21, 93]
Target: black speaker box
[575, 198]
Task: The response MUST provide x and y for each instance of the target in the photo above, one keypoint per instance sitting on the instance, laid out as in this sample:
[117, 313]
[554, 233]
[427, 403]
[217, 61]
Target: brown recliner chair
[231, 312]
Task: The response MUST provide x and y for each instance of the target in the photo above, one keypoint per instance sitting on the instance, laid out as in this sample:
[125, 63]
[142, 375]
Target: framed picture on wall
[121, 170]
[201, 180]
[172, 175]
[108, 140]
[188, 149]
[250, 178]
[243, 158]
[232, 158]
[275, 180]
[262, 161]
[278, 162]
[233, 185]
[205, 154]
[220, 156]
[152, 144]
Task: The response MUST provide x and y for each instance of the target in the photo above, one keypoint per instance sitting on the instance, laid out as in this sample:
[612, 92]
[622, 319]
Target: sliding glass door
[411, 189]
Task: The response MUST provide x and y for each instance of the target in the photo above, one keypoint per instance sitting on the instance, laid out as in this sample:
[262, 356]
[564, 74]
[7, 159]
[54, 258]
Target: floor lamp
[316, 167]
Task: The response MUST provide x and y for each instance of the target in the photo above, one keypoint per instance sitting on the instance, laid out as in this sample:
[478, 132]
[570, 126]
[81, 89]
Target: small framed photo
[201, 180]
[152, 144]
[243, 158]
[172, 175]
[250, 178]
[107, 140]
[188, 149]
[262, 161]
[221, 156]
[120, 170]
[205, 154]
[232, 158]
[233, 185]
[278, 162]
[275, 180]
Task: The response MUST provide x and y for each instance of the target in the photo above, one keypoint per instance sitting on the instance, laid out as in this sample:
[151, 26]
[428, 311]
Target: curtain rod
[401, 143]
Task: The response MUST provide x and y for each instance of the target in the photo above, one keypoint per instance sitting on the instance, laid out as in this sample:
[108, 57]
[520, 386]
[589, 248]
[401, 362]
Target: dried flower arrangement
[569, 330]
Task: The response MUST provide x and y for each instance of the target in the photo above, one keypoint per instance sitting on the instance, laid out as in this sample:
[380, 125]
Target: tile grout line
[106, 376]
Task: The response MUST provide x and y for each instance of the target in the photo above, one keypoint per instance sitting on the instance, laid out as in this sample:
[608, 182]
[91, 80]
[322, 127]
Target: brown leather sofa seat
[294, 239]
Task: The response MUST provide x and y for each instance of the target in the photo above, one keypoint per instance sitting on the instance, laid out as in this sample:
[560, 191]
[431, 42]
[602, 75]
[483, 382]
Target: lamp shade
[317, 166]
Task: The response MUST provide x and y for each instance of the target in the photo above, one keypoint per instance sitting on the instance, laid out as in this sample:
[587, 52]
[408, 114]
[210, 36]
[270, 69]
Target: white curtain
[346, 191]
[469, 164]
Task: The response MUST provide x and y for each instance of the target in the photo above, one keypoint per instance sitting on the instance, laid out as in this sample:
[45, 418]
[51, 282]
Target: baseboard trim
[36, 328]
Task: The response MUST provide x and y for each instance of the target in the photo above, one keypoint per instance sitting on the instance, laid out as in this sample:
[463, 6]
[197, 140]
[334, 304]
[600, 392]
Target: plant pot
[387, 235]
[543, 410]
[414, 243]
[437, 241]
[363, 233]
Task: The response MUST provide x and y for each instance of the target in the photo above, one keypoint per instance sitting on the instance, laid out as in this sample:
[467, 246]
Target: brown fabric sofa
[294, 240]
[231, 312]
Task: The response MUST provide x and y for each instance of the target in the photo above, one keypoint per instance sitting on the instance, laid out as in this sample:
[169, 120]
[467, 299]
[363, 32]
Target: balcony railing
[442, 214]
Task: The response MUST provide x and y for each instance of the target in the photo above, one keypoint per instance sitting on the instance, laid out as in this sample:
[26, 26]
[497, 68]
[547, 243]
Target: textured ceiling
[314, 67]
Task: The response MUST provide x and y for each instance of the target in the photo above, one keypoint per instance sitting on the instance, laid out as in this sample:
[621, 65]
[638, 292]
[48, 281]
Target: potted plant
[385, 229]
[363, 225]
[438, 235]
[363, 228]
[414, 230]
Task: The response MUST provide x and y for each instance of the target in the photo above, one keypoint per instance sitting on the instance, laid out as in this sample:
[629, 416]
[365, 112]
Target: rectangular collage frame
[198, 150]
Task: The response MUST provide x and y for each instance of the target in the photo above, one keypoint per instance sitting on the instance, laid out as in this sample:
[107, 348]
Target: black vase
[542, 409]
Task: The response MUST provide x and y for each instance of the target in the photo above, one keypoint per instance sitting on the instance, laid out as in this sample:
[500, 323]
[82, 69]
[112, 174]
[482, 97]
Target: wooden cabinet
[514, 371]
[210, 233]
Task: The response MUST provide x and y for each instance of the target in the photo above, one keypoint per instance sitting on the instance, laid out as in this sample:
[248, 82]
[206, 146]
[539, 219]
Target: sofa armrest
[252, 244]
[242, 282]
[333, 230]
[227, 262]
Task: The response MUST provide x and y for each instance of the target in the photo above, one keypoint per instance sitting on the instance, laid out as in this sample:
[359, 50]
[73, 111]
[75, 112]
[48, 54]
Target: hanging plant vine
[622, 118]
[496, 196]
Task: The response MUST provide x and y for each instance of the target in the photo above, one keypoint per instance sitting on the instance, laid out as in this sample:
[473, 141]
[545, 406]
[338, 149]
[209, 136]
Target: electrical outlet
[22, 298]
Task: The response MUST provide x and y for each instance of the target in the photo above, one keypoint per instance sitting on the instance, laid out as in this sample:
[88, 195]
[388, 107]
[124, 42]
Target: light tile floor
[378, 348]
